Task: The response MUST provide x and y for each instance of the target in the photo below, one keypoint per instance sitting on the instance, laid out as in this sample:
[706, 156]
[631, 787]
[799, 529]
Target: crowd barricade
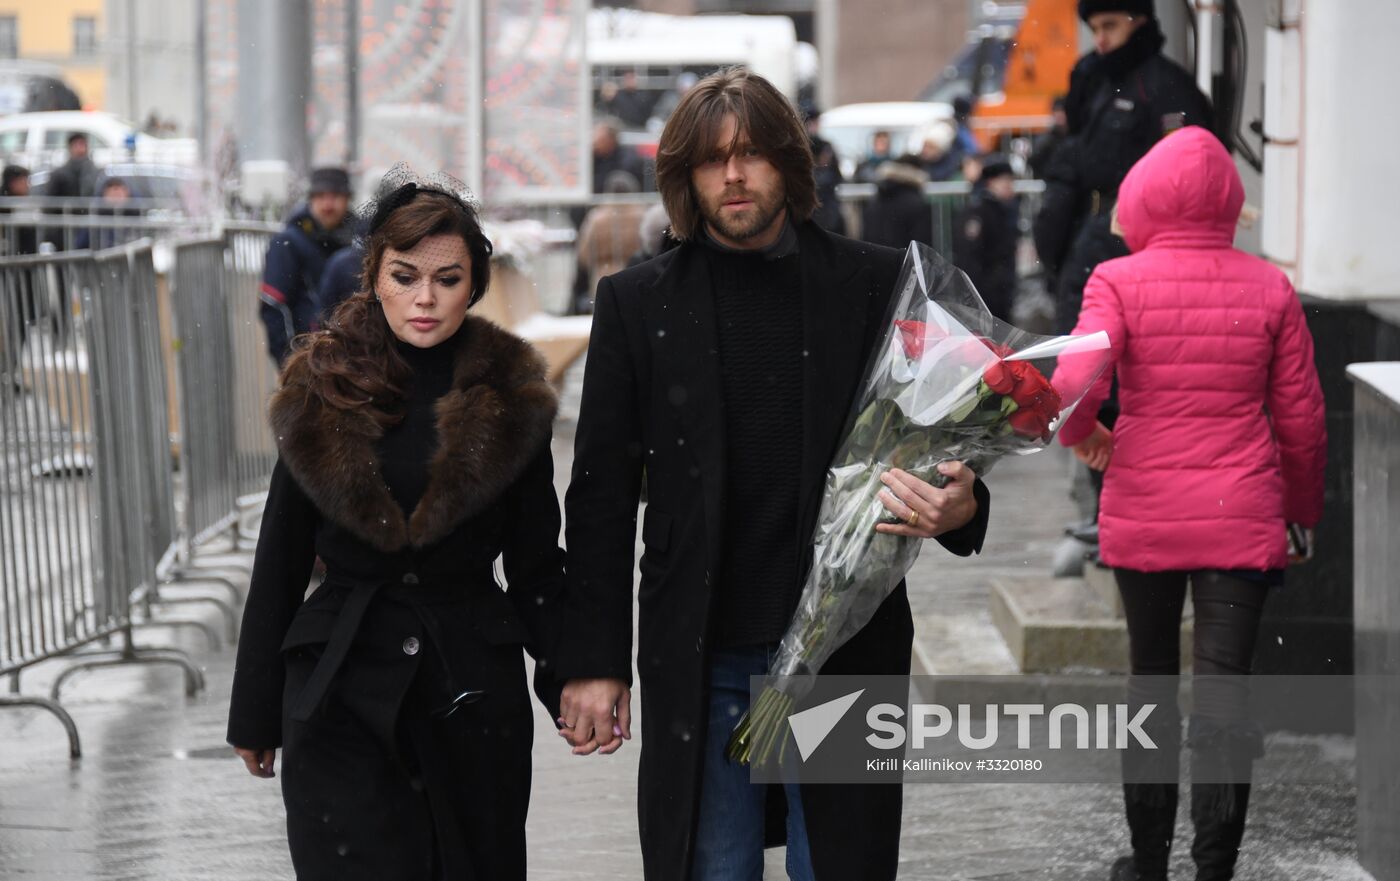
[113, 504]
[254, 372]
[77, 525]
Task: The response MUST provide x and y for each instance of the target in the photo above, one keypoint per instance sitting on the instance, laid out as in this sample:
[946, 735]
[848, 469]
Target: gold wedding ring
[913, 520]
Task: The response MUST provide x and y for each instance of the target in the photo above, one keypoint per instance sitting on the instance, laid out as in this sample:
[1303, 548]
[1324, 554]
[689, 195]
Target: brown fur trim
[490, 425]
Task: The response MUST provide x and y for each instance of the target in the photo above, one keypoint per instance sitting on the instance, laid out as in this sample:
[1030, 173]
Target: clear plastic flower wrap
[947, 382]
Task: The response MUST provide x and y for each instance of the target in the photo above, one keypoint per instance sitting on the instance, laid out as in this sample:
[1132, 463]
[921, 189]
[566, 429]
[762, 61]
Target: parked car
[160, 190]
[40, 140]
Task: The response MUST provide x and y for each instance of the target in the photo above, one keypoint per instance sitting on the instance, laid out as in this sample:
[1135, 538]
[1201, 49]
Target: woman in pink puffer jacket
[1221, 443]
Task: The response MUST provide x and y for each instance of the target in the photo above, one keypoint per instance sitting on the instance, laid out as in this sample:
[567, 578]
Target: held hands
[595, 715]
[259, 761]
[925, 510]
[1096, 450]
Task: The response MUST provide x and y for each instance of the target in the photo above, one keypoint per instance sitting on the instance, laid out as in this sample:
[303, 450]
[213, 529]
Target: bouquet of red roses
[948, 383]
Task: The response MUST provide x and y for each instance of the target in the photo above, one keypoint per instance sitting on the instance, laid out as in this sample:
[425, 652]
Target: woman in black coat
[414, 451]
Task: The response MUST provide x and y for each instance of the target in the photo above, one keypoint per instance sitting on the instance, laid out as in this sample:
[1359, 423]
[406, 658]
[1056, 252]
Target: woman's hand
[1096, 450]
[259, 761]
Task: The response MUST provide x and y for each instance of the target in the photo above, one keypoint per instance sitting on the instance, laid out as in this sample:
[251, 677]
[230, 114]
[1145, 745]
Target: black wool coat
[355, 682]
[652, 399]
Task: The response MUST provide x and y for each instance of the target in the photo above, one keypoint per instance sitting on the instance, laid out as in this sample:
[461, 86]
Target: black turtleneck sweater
[406, 448]
[758, 303]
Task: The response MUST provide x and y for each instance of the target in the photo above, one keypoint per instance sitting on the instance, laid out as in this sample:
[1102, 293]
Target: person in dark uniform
[297, 256]
[414, 450]
[985, 234]
[1123, 98]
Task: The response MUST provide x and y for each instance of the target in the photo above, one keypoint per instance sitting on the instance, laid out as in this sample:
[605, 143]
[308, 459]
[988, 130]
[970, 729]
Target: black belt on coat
[337, 647]
[347, 625]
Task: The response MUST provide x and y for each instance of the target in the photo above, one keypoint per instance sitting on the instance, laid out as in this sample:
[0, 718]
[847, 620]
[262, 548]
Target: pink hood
[1184, 192]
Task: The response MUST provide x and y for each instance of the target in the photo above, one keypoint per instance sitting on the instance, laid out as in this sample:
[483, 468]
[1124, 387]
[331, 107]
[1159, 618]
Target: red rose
[1036, 400]
[1030, 422]
[1000, 377]
[911, 334]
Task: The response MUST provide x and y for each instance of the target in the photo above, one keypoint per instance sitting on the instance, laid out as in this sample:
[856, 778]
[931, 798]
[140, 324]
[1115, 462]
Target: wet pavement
[158, 795]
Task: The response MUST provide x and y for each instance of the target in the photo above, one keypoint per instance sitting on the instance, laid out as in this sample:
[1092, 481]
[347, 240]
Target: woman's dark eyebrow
[405, 263]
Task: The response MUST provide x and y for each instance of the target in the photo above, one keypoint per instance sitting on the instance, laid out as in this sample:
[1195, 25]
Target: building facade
[66, 33]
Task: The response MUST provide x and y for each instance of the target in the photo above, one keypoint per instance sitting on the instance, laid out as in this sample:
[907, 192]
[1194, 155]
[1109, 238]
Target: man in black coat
[1123, 98]
[726, 369]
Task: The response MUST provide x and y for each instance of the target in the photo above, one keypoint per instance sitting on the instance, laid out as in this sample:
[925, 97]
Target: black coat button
[409, 578]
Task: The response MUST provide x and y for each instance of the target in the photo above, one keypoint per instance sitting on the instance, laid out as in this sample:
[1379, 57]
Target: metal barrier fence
[204, 353]
[95, 526]
[35, 224]
[254, 450]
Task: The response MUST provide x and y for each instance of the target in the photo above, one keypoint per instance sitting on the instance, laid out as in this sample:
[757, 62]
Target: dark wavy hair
[764, 115]
[353, 362]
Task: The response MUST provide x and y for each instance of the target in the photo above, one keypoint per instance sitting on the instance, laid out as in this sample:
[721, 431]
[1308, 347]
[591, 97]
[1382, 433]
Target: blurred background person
[18, 239]
[939, 156]
[114, 202]
[19, 301]
[962, 115]
[609, 236]
[610, 155]
[653, 235]
[666, 104]
[296, 259]
[628, 103]
[826, 169]
[985, 235]
[76, 178]
[341, 278]
[1048, 143]
[899, 213]
[869, 168]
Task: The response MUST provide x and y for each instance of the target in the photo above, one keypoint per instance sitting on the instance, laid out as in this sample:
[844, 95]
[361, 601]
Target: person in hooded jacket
[899, 213]
[296, 259]
[1123, 97]
[1219, 449]
[413, 445]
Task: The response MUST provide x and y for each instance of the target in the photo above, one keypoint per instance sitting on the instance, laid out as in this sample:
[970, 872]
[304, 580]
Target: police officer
[1123, 97]
[985, 235]
[296, 259]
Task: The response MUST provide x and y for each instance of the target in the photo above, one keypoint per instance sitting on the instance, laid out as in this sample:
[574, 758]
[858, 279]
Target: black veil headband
[398, 187]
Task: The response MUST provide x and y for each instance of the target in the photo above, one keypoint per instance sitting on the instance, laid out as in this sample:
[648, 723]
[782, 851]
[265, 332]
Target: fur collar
[490, 424]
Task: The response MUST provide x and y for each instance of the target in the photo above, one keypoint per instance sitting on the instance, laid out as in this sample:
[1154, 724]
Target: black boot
[1150, 791]
[1151, 810]
[1222, 762]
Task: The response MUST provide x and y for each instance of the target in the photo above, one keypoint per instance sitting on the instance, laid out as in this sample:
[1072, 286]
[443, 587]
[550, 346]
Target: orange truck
[1016, 71]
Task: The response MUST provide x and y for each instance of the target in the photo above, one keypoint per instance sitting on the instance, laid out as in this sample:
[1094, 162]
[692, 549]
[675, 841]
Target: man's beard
[766, 208]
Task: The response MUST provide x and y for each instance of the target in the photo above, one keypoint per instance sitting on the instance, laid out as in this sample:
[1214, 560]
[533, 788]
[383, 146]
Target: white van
[851, 127]
[40, 140]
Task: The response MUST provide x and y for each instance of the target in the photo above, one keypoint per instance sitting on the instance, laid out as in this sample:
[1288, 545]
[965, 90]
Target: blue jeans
[729, 840]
